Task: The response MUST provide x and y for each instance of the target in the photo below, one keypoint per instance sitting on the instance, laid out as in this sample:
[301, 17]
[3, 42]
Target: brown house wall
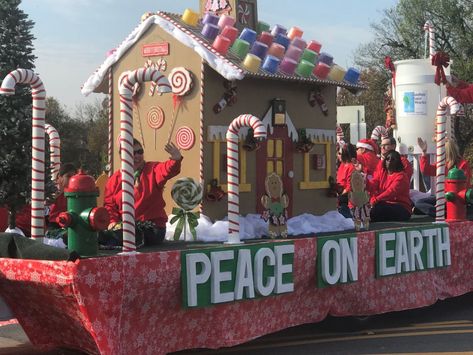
[254, 97]
[188, 115]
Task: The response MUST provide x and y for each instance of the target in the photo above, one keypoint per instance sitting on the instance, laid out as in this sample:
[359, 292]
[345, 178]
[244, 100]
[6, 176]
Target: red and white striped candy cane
[110, 122]
[430, 28]
[339, 132]
[233, 179]
[379, 132]
[126, 84]
[54, 150]
[446, 103]
[38, 93]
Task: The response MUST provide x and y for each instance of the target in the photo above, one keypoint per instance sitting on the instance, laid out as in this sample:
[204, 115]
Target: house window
[220, 166]
[316, 178]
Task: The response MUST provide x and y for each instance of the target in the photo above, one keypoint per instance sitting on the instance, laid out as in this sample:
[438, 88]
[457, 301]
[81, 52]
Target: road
[446, 327]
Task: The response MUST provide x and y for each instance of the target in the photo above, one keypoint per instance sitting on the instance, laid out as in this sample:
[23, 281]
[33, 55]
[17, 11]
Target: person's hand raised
[174, 152]
[422, 144]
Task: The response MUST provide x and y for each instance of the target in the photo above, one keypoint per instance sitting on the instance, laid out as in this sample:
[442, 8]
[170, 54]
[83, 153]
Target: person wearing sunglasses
[150, 179]
[390, 195]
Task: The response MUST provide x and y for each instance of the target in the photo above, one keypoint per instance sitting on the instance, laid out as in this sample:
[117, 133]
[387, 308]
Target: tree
[84, 137]
[15, 111]
[400, 35]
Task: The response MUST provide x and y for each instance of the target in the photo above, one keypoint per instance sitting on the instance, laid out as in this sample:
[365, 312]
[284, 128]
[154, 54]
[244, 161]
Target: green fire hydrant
[83, 218]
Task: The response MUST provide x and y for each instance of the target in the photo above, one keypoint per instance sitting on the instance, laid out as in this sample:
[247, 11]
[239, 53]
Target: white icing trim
[321, 135]
[219, 133]
[268, 123]
[221, 65]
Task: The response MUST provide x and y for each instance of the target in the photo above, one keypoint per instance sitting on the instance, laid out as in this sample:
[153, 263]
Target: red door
[275, 155]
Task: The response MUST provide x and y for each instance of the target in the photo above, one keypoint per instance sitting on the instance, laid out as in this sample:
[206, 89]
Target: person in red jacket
[390, 195]
[387, 145]
[366, 156]
[23, 217]
[66, 171]
[346, 167]
[453, 158]
[150, 178]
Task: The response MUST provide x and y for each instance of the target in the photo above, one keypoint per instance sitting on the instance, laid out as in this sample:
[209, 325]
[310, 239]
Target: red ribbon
[176, 101]
[440, 60]
[388, 63]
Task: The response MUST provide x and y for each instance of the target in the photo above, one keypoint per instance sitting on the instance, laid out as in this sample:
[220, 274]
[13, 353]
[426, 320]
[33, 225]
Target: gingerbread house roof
[229, 66]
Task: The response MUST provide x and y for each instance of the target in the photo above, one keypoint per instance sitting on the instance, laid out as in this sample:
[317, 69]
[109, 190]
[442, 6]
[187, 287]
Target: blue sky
[72, 36]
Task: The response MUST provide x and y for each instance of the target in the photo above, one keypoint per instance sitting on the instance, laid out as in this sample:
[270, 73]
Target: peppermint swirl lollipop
[187, 193]
[181, 81]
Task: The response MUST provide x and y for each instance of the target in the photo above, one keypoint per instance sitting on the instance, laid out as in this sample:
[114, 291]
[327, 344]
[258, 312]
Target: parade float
[181, 295]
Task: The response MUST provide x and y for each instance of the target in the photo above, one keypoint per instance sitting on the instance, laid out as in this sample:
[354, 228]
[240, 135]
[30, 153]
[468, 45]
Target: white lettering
[401, 256]
[416, 243]
[349, 259]
[331, 262]
[261, 255]
[194, 279]
[281, 269]
[217, 277]
[244, 275]
[385, 254]
[442, 247]
[429, 234]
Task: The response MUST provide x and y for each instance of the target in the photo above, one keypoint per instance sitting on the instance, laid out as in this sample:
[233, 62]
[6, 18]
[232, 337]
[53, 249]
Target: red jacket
[149, 202]
[59, 205]
[392, 188]
[344, 175]
[380, 173]
[369, 161]
[463, 93]
[431, 170]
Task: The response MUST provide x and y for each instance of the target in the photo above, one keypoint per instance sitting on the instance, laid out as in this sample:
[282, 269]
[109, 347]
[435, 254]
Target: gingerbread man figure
[360, 200]
[275, 202]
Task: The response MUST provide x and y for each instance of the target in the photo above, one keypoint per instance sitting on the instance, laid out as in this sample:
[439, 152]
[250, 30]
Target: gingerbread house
[210, 89]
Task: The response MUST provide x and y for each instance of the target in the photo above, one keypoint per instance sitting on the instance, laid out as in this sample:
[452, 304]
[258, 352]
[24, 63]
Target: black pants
[385, 212]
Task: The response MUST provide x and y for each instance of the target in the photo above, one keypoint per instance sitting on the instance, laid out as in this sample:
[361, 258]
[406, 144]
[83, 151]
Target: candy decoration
[187, 194]
[126, 83]
[225, 20]
[155, 120]
[201, 127]
[233, 179]
[185, 138]
[54, 150]
[451, 104]
[379, 132]
[181, 81]
[38, 93]
[161, 66]
[110, 121]
[243, 13]
[190, 17]
[429, 28]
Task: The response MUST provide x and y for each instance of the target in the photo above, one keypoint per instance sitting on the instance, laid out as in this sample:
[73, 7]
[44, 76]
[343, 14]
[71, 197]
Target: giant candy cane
[233, 175]
[379, 132]
[446, 103]
[430, 28]
[38, 93]
[54, 150]
[126, 83]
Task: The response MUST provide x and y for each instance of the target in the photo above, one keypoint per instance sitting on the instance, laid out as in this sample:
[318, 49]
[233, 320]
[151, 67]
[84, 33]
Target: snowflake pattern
[138, 297]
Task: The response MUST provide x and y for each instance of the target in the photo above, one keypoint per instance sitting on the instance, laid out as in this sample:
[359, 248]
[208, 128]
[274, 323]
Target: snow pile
[253, 227]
